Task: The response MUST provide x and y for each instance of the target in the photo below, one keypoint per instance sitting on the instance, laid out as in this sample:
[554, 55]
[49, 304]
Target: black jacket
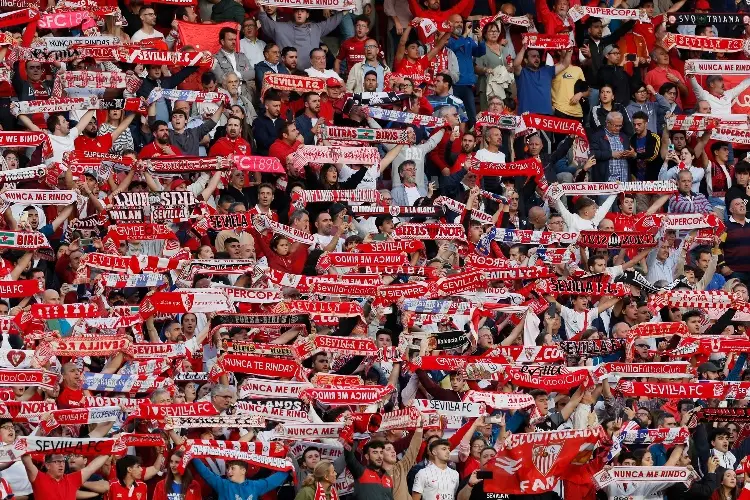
[650, 158]
[602, 151]
[591, 66]
[265, 131]
[622, 82]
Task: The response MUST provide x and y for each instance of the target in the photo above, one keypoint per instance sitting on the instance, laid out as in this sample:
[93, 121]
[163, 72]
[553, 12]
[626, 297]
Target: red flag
[204, 36]
[554, 455]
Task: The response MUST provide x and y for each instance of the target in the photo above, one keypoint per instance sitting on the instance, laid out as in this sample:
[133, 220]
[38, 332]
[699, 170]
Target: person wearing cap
[55, 484]
[701, 7]
[299, 33]
[356, 78]
[613, 73]
[719, 171]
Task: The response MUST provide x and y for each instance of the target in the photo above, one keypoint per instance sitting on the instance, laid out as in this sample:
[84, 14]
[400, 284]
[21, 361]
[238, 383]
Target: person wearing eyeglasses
[358, 73]
[147, 15]
[222, 397]
[55, 484]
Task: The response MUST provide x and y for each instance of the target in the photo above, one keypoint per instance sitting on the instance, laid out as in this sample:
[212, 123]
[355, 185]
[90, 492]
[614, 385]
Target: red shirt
[46, 487]
[646, 30]
[99, 144]
[268, 235]
[415, 70]
[69, 398]
[227, 146]
[282, 150]
[139, 491]
[352, 51]
[151, 149]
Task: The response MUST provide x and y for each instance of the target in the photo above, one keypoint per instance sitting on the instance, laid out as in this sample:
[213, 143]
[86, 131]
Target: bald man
[71, 392]
[537, 219]
[51, 297]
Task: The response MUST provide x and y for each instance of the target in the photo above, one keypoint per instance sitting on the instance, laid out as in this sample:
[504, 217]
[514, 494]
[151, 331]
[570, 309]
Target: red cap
[702, 5]
[334, 82]
[177, 183]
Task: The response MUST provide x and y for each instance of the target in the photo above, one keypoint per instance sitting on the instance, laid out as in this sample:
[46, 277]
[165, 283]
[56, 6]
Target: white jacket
[356, 80]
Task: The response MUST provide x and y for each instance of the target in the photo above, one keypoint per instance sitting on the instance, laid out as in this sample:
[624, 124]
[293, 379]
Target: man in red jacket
[232, 143]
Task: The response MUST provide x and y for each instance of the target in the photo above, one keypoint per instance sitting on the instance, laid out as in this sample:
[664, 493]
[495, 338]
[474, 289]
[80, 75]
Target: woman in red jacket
[176, 485]
[281, 254]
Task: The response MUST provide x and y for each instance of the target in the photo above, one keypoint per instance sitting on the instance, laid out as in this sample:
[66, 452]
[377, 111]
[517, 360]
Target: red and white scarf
[334, 154]
[693, 123]
[28, 378]
[430, 231]
[179, 302]
[305, 347]
[704, 43]
[500, 400]
[21, 288]
[622, 474]
[547, 42]
[705, 67]
[59, 311]
[94, 80]
[577, 12]
[261, 389]
[64, 104]
[379, 135]
[293, 83]
[261, 223]
[253, 457]
[684, 390]
[531, 167]
[25, 140]
[80, 416]
[364, 395]
[85, 346]
[255, 365]
[732, 135]
[299, 200]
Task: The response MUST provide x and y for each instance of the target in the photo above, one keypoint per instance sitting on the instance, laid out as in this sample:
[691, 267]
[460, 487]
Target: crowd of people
[435, 249]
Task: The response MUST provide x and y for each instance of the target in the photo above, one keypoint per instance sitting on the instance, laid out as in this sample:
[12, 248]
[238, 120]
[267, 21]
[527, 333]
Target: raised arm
[124, 124]
[85, 119]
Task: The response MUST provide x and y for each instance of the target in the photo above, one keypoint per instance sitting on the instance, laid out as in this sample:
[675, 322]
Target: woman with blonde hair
[320, 485]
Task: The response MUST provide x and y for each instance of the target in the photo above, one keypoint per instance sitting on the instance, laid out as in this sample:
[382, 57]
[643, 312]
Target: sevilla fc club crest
[544, 457]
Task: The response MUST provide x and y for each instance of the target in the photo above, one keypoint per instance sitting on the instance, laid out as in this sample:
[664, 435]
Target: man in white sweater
[720, 99]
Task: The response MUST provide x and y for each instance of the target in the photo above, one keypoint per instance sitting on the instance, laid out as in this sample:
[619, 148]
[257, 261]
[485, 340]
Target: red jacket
[552, 22]
[463, 7]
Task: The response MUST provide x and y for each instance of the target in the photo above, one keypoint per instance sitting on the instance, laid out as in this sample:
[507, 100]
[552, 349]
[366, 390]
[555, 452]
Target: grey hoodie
[305, 37]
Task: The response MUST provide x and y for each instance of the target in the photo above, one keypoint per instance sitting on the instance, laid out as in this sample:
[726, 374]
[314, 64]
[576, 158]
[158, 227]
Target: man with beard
[466, 49]
[289, 58]
[328, 237]
[409, 191]
[161, 145]
[370, 481]
[90, 141]
[309, 122]
[232, 143]
[534, 81]
[398, 469]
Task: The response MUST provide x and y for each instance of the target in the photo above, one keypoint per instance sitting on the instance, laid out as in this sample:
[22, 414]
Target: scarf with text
[187, 95]
[725, 414]
[303, 348]
[250, 295]
[500, 400]
[260, 348]
[394, 115]
[80, 416]
[684, 390]
[64, 104]
[293, 83]
[361, 134]
[85, 346]
[308, 431]
[394, 211]
[499, 120]
[254, 365]
[224, 421]
[554, 378]
[94, 80]
[547, 42]
[262, 223]
[430, 231]
[705, 67]
[531, 237]
[111, 280]
[731, 135]
[26, 140]
[201, 300]
[334, 154]
[28, 378]
[525, 168]
[132, 384]
[364, 395]
[578, 12]
[597, 285]
[682, 18]
[264, 389]
[253, 457]
[665, 475]
[704, 43]
[299, 200]
[615, 239]
[21, 288]
[692, 123]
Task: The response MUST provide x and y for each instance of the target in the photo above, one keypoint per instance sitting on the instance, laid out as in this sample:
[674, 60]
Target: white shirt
[576, 322]
[328, 73]
[485, 155]
[368, 182]
[322, 241]
[412, 194]
[142, 35]
[61, 144]
[232, 57]
[252, 50]
[435, 483]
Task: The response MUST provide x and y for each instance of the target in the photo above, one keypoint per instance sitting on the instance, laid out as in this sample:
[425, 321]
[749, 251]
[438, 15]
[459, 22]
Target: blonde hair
[319, 473]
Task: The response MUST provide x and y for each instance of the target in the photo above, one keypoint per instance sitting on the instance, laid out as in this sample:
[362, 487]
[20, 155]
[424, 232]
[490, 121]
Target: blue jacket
[466, 49]
[248, 490]
[265, 133]
[263, 67]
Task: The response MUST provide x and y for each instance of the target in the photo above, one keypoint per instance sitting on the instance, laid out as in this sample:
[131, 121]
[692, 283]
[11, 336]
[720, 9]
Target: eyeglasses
[640, 91]
[7, 427]
[371, 46]
[225, 396]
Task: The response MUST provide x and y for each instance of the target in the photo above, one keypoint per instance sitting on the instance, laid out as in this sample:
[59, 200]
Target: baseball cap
[177, 183]
[334, 82]
[707, 367]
